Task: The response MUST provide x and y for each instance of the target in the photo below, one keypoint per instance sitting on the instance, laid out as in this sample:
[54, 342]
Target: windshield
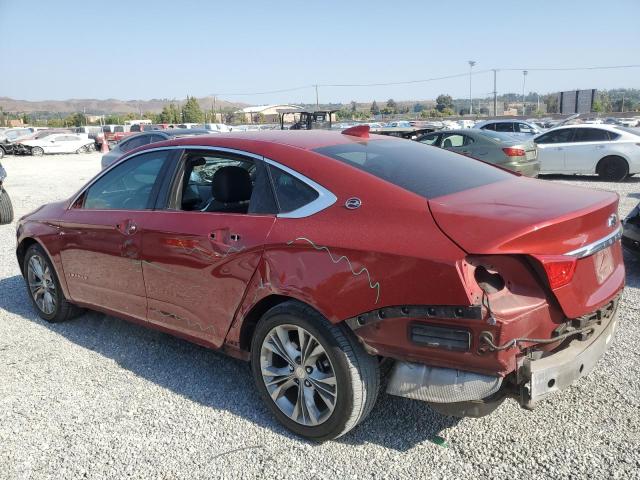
[500, 137]
[427, 171]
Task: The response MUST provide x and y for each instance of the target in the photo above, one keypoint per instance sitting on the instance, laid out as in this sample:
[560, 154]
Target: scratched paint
[336, 260]
[187, 321]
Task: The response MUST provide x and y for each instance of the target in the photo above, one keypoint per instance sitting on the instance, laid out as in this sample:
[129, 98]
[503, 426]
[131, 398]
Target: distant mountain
[105, 107]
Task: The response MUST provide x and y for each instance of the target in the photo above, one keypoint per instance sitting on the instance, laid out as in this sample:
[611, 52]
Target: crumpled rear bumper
[542, 377]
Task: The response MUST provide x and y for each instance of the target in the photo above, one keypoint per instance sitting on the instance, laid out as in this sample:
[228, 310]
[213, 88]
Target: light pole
[471, 64]
[524, 80]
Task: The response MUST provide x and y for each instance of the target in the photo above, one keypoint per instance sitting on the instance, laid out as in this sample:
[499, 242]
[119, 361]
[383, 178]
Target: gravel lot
[98, 397]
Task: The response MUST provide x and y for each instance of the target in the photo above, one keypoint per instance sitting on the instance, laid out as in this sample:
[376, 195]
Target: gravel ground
[98, 397]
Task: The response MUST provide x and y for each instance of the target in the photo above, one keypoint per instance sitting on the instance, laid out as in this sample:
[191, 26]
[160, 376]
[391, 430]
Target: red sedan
[323, 256]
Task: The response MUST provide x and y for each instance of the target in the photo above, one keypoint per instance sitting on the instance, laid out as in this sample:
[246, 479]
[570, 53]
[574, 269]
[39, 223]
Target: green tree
[418, 107]
[354, 106]
[191, 112]
[76, 119]
[444, 101]
[391, 106]
[375, 110]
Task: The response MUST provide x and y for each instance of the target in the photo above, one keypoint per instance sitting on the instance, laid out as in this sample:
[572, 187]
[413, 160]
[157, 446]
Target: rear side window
[491, 126]
[291, 193]
[504, 127]
[591, 135]
[427, 171]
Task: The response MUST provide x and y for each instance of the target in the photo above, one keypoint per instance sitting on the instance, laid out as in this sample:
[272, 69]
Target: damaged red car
[325, 258]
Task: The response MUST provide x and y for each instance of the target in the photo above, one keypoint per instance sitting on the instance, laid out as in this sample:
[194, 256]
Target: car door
[552, 148]
[53, 144]
[101, 256]
[201, 250]
[588, 146]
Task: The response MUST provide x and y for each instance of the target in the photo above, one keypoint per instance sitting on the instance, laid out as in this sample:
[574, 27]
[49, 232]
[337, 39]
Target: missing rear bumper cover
[469, 312]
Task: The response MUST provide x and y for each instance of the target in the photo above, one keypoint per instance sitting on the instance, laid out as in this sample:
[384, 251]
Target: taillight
[513, 152]
[559, 269]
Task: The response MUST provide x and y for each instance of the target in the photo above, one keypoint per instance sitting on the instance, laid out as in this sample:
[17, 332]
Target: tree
[418, 107]
[76, 119]
[551, 101]
[191, 112]
[444, 101]
[375, 110]
[354, 106]
[391, 106]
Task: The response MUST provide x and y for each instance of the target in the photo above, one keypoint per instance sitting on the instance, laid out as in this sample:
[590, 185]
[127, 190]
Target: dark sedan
[146, 138]
[631, 233]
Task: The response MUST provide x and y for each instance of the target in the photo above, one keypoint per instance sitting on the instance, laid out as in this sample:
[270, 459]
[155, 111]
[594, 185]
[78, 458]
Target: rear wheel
[614, 169]
[314, 376]
[6, 209]
[37, 151]
[44, 288]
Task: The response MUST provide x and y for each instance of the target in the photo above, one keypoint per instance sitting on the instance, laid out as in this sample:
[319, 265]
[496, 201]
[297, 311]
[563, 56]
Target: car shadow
[585, 178]
[215, 380]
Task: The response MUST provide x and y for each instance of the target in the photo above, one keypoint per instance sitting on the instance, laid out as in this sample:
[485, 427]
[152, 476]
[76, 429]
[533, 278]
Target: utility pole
[471, 64]
[495, 93]
[317, 101]
[622, 106]
[524, 80]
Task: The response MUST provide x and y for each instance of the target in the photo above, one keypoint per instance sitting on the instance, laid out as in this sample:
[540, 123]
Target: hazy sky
[168, 49]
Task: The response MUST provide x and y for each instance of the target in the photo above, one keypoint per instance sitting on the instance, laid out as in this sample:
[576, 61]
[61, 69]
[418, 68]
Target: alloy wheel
[41, 284]
[298, 374]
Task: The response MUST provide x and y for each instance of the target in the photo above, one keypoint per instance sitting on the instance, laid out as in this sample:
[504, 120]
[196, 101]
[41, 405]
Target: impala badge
[612, 220]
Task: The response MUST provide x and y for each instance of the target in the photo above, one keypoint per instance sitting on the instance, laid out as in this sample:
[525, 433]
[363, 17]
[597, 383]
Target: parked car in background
[145, 138]
[59, 143]
[215, 127]
[15, 134]
[631, 231]
[610, 151]
[6, 146]
[6, 209]
[517, 127]
[492, 147]
[399, 124]
[284, 250]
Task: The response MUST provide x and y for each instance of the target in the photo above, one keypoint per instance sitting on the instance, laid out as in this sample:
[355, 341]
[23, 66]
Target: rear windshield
[635, 131]
[500, 137]
[427, 171]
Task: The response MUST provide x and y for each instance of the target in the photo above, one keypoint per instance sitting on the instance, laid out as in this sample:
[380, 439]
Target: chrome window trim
[325, 199]
[597, 245]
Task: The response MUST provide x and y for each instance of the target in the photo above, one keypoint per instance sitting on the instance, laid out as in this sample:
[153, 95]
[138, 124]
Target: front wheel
[37, 151]
[44, 287]
[314, 376]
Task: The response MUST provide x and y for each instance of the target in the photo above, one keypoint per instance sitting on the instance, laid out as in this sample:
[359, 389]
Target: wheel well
[253, 317]
[22, 250]
[607, 158]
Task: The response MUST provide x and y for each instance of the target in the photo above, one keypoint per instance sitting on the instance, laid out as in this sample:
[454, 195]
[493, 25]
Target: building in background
[265, 113]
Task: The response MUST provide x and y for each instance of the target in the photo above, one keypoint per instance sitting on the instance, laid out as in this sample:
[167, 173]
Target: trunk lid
[545, 221]
[525, 216]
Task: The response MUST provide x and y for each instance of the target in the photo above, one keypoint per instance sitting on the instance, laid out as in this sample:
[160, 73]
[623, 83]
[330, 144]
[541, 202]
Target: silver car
[152, 136]
[501, 149]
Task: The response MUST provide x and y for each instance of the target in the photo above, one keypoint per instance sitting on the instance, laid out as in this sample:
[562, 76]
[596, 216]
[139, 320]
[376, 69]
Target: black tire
[63, 310]
[37, 151]
[613, 169]
[6, 209]
[356, 372]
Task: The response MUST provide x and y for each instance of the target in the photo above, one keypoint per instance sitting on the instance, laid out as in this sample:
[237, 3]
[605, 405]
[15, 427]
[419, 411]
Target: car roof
[303, 139]
[602, 126]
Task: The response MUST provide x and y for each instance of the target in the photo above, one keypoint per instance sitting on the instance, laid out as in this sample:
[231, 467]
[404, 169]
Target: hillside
[106, 107]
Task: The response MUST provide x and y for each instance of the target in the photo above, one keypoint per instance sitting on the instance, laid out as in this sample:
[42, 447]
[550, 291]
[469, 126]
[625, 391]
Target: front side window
[563, 135]
[455, 140]
[291, 193]
[129, 185]
[524, 128]
[431, 139]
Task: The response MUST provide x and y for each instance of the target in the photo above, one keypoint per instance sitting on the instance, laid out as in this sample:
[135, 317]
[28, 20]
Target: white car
[60, 143]
[610, 151]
